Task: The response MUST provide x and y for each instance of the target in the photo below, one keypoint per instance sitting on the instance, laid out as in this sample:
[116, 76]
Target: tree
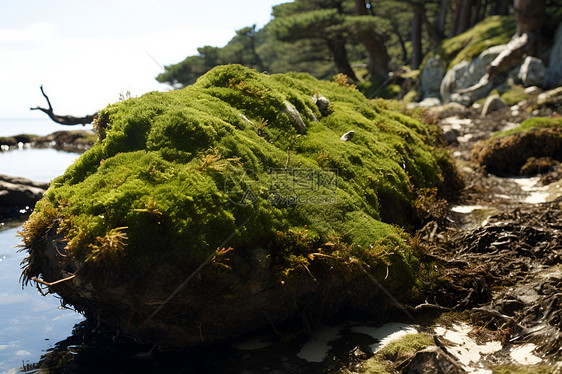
[378, 55]
[314, 19]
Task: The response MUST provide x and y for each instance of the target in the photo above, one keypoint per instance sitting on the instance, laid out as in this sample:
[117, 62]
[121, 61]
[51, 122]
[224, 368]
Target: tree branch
[64, 120]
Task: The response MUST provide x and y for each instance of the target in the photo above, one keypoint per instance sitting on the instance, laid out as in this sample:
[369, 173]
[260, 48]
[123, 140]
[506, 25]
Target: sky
[86, 53]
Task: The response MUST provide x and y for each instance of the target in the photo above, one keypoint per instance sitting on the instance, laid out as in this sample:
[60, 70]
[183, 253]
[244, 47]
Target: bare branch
[64, 120]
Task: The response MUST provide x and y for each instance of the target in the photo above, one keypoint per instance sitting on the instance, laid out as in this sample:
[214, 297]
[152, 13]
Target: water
[29, 323]
[36, 126]
[39, 165]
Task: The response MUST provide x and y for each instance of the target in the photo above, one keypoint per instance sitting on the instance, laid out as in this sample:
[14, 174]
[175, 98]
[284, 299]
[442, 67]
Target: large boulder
[208, 212]
[466, 74]
[431, 76]
[554, 73]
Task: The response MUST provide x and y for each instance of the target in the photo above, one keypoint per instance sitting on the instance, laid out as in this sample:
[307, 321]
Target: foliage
[153, 188]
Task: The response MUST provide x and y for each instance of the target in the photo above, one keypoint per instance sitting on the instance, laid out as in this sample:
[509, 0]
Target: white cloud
[37, 32]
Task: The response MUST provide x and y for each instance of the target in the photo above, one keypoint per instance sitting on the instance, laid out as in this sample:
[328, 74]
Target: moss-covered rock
[492, 31]
[528, 148]
[211, 211]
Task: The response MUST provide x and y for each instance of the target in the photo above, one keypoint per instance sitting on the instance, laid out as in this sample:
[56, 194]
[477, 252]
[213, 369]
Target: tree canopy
[363, 39]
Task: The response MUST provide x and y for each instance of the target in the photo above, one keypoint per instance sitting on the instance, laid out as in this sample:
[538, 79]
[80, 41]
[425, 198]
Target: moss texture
[512, 152]
[395, 353]
[164, 186]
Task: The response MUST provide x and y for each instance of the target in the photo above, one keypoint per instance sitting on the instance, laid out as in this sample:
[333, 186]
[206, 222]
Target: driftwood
[64, 120]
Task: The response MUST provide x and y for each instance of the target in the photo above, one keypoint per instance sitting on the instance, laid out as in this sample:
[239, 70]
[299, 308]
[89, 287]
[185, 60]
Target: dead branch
[52, 283]
[64, 120]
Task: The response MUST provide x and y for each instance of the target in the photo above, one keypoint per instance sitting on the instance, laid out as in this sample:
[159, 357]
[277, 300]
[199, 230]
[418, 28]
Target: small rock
[532, 90]
[550, 96]
[532, 72]
[451, 135]
[433, 360]
[347, 136]
[322, 103]
[430, 102]
[493, 103]
[295, 118]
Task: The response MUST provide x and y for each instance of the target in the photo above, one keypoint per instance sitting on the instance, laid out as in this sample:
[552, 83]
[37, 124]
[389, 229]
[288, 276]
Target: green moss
[514, 95]
[395, 352]
[529, 124]
[163, 182]
[491, 31]
[379, 88]
[517, 369]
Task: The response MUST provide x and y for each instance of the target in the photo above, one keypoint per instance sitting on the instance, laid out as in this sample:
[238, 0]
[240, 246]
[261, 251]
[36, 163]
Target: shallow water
[39, 165]
[29, 322]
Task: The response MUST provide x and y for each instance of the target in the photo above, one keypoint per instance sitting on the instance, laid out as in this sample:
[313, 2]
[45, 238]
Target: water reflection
[29, 322]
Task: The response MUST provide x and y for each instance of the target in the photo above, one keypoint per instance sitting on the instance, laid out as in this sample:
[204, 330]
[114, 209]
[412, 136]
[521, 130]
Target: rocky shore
[19, 195]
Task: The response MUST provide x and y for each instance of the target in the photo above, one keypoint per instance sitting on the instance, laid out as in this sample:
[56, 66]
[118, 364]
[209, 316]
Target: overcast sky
[85, 52]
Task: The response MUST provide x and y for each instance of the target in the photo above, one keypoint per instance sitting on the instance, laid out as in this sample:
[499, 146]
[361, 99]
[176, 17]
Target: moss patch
[518, 369]
[222, 168]
[512, 152]
[394, 353]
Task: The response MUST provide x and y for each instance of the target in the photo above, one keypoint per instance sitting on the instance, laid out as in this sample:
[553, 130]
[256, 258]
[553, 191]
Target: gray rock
[493, 103]
[532, 72]
[466, 74]
[322, 103]
[18, 195]
[347, 136]
[551, 96]
[554, 72]
[533, 90]
[295, 117]
[432, 75]
[450, 135]
[433, 360]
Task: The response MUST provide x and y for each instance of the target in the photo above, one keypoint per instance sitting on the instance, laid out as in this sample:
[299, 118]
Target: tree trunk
[337, 47]
[530, 16]
[416, 40]
[378, 56]
[432, 32]
[402, 44]
[477, 16]
[501, 7]
[442, 17]
[456, 16]
[465, 16]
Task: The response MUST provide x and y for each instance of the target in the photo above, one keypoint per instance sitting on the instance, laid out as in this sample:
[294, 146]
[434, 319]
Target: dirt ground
[502, 243]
